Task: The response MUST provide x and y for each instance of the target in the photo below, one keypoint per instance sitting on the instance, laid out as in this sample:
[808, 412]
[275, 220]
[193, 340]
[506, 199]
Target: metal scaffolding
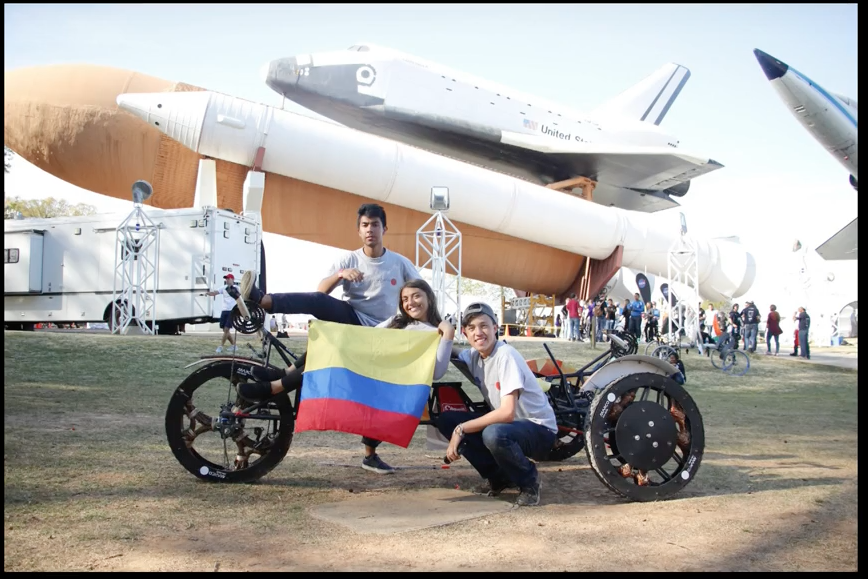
[134, 295]
[438, 246]
[683, 273]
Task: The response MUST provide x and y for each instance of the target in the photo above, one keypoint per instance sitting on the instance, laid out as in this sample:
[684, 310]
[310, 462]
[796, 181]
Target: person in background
[565, 323]
[652, 330]
[558, 326]
[600, 321]
[773, 330]
[611, 315]
[751, 317]
[573, 318]
[735, 324]
[230, 292]
[636, 309]
[804, 321]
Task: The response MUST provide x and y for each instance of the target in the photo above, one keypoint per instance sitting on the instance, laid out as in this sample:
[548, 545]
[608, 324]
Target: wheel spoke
[666, 476]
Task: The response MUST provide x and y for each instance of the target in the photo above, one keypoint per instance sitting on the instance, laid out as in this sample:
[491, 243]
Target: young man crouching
[521, 423]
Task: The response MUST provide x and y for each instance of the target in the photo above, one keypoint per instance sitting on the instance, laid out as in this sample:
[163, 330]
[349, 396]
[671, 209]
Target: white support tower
[438, 246]
[683, 273]
[134, 295]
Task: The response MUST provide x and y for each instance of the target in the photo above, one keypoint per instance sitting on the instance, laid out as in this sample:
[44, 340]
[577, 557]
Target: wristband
[341, 273]
[459, 430]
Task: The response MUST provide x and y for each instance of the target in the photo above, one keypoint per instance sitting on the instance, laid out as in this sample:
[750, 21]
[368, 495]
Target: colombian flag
[369, 381]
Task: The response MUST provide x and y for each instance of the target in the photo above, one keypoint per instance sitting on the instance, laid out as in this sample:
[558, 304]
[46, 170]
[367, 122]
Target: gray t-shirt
[376, 297]
[444, 350]
[505, 371]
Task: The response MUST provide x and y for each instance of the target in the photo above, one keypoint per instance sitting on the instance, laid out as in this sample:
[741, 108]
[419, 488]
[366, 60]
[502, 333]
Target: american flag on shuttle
[528, 124]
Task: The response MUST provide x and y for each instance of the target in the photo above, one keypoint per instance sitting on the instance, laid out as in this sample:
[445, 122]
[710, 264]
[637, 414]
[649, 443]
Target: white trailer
[62, 270]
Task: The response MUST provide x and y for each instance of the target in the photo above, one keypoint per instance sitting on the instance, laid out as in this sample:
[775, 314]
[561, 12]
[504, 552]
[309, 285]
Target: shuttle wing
[646, 168]
[842, 245]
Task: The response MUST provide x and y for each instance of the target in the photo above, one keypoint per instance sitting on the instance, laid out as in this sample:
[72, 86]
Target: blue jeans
[750, 335]
[501, 450]
[634, 326]
[769, 337]
[601, 325]
[317, 304]
[574, 329]
[804, 349]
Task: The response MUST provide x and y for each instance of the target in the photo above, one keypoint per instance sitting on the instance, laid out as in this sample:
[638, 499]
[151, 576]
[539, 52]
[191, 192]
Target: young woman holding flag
[417, 311]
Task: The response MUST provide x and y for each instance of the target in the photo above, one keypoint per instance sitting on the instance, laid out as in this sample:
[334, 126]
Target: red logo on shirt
[394, 281]
[497, 385]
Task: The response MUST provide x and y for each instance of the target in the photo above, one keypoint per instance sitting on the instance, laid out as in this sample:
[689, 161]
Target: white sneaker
[219, 349]
[233, 349]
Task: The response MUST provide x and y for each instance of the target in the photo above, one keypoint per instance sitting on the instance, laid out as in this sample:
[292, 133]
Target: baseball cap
[229, 276]
[475, 309]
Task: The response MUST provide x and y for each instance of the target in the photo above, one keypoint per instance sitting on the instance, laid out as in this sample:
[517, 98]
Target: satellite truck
[72, 269]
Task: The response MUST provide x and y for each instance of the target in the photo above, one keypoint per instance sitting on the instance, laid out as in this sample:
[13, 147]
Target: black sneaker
[492, 488]
[528, 497]
[254, 391]
[374, 464]
[268, 374]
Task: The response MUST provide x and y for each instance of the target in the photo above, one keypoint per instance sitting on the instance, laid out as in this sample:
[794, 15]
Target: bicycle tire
[198, 465]
[651, 346]
[718, 360]
[663, 352]
[738, 363]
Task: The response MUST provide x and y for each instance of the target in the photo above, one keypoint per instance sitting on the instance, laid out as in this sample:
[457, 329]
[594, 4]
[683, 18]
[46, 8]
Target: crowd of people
[647, 321]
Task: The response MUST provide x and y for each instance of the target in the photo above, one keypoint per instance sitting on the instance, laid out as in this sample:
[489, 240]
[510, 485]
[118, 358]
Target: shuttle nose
[281, 75]
[772, 67]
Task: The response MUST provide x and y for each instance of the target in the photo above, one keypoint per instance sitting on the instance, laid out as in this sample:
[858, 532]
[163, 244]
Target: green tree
[45, 208]
[7, 159]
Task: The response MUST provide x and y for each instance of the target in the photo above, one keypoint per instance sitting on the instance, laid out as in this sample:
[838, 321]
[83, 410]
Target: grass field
[90, 483]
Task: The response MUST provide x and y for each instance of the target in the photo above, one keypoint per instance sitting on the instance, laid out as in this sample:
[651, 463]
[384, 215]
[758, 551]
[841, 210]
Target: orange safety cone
[528, 332]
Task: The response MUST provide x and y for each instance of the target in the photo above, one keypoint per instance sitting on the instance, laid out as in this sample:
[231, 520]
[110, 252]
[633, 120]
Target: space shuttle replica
[544, 215]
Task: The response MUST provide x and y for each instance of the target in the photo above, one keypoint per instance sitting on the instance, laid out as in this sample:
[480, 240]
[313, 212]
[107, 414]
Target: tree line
[16, 207]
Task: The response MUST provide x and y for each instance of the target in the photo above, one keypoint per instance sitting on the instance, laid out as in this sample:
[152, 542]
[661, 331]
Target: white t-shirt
[504, 372]
[228, 301]
[376, 297]
[444, 350]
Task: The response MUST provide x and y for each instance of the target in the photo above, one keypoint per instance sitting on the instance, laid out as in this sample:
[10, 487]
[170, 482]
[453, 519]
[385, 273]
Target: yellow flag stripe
[395, 356]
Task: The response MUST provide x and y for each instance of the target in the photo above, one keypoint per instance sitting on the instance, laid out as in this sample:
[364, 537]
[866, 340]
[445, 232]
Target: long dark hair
[403, 319]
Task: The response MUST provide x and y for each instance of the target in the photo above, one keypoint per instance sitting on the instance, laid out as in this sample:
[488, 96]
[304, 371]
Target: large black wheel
[212, 439]
[644, 437]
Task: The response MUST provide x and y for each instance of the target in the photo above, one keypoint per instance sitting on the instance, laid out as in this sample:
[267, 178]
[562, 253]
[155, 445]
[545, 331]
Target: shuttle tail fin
[650, 99]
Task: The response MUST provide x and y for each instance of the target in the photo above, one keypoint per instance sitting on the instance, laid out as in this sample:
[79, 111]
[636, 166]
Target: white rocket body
[233, 129]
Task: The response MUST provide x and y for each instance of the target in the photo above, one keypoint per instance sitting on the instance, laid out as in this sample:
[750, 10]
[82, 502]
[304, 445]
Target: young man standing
[804, 325]
[574, 313]
[521, 423]
[371, 278]
[229, 293]
[637, 308]
[751, 316]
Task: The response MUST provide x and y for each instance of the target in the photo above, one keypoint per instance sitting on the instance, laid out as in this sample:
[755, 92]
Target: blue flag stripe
[343, 384]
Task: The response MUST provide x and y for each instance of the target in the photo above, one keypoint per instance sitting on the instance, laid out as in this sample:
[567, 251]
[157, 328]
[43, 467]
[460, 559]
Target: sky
[777, 183]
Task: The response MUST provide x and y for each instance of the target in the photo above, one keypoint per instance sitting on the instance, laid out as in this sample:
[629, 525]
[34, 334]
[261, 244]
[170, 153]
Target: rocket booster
[331, 155]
